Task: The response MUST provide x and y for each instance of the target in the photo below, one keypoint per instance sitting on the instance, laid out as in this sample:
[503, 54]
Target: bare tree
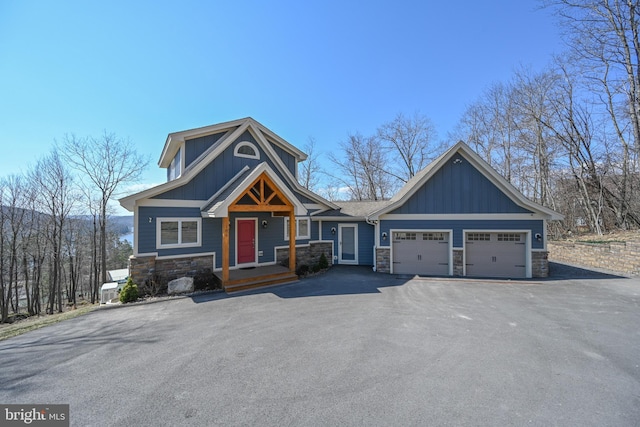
[604, 37]
[56, 198]
[310, 170]
[412, 142]
[363, 170]
[605, 50]
[108, 162]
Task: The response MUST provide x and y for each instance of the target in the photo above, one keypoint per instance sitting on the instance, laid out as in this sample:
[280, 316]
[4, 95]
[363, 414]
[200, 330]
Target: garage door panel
[421, 253]
[495, 254]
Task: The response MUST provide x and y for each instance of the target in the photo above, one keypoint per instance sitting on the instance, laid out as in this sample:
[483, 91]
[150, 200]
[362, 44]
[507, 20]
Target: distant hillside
[120, 224]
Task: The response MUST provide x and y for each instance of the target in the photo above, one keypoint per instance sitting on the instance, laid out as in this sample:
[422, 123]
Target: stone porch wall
[146, 269]
[623, 257]
[307, 255]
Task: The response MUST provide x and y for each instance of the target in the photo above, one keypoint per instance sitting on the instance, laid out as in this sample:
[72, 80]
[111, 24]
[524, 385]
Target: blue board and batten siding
[221, 170]
[211, 239]
[289, 161]
[458, 187]
[365, 239]
[194, 148]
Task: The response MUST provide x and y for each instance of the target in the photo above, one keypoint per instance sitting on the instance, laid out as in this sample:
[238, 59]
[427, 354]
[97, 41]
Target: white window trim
[159, 222]
[180, 152]
[298, 236]
[246, 156]
[355, 241]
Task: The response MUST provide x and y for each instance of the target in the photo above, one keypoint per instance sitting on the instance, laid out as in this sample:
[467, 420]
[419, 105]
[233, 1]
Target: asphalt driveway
[349, 347]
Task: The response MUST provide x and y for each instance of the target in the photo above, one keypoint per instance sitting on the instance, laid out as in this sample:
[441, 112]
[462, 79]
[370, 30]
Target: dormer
[176, 166]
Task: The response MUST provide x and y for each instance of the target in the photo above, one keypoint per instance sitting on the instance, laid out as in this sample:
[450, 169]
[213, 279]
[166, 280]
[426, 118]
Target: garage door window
[509, 237]
[405, 236]
[478, 237]
[433, 236]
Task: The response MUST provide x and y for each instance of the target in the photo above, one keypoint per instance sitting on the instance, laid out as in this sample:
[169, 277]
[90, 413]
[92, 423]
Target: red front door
[246, 241]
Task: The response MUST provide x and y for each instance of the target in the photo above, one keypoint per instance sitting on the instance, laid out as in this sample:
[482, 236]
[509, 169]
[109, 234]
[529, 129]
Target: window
[509, 237]
[433, 236]
[175, 168]
[303, 229]
[478, 237]
[247, 150]
[405, 236]
[178, 232]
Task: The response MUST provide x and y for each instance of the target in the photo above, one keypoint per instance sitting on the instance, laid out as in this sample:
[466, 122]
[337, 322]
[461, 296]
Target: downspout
[376, 239]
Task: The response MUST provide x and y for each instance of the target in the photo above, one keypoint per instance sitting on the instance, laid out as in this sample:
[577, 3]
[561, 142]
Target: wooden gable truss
[262, 195]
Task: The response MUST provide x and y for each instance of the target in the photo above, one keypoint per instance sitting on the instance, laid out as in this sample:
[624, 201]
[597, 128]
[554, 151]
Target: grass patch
[33, 323]
[601, 242]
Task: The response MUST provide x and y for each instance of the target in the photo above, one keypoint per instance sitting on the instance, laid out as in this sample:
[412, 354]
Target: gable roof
[218, 205]
[175, 139]
[352, 209]
[234, 129]
[419, 179]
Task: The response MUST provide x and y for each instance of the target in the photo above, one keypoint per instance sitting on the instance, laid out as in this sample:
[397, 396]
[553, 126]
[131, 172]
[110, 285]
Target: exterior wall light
[333, 230]
[264, 223]
[384, 236]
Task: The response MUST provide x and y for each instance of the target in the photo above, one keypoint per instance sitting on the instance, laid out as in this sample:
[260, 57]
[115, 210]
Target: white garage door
[421, 253]
[496, 254]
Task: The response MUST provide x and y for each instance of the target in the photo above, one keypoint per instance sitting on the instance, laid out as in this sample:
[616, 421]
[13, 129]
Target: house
[110, 291]
[232, 203]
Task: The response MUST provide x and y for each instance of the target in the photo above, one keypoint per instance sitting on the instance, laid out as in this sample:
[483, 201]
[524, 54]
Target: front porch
[255, 277]
[263, 194]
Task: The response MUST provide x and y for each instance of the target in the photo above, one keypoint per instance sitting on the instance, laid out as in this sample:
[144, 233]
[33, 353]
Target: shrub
[316, 268]
[129, 292]
[323, 262]
[205, 280]
[302, 270]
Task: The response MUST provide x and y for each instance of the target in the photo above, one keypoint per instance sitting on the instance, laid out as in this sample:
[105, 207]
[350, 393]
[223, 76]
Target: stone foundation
[307, 255]
[622, 257]
[146, 269]
[458, 266]
[539, 264]
[383, 260]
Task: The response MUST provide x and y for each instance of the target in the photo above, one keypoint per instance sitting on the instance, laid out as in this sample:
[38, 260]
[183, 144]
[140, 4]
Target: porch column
[225, 250]
[292, 241]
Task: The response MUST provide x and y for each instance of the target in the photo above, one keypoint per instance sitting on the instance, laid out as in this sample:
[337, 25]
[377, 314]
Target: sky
[305, 69]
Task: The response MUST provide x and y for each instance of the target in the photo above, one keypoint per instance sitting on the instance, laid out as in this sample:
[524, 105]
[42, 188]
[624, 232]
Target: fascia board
[174, 139]
[283, 169]
[128, 202]
[222, 210]
[485, 169]
[338, 218]
[432, 170]
[504, 185]
[300, 155]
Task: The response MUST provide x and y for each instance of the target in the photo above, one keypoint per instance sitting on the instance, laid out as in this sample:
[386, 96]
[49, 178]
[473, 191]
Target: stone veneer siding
[623, 257]
[143, 269]
[540, 264]
[307, 255]
[383, 260]
[458, 266]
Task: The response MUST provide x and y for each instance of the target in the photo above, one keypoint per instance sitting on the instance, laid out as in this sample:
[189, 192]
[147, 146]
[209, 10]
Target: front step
[259, 282]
